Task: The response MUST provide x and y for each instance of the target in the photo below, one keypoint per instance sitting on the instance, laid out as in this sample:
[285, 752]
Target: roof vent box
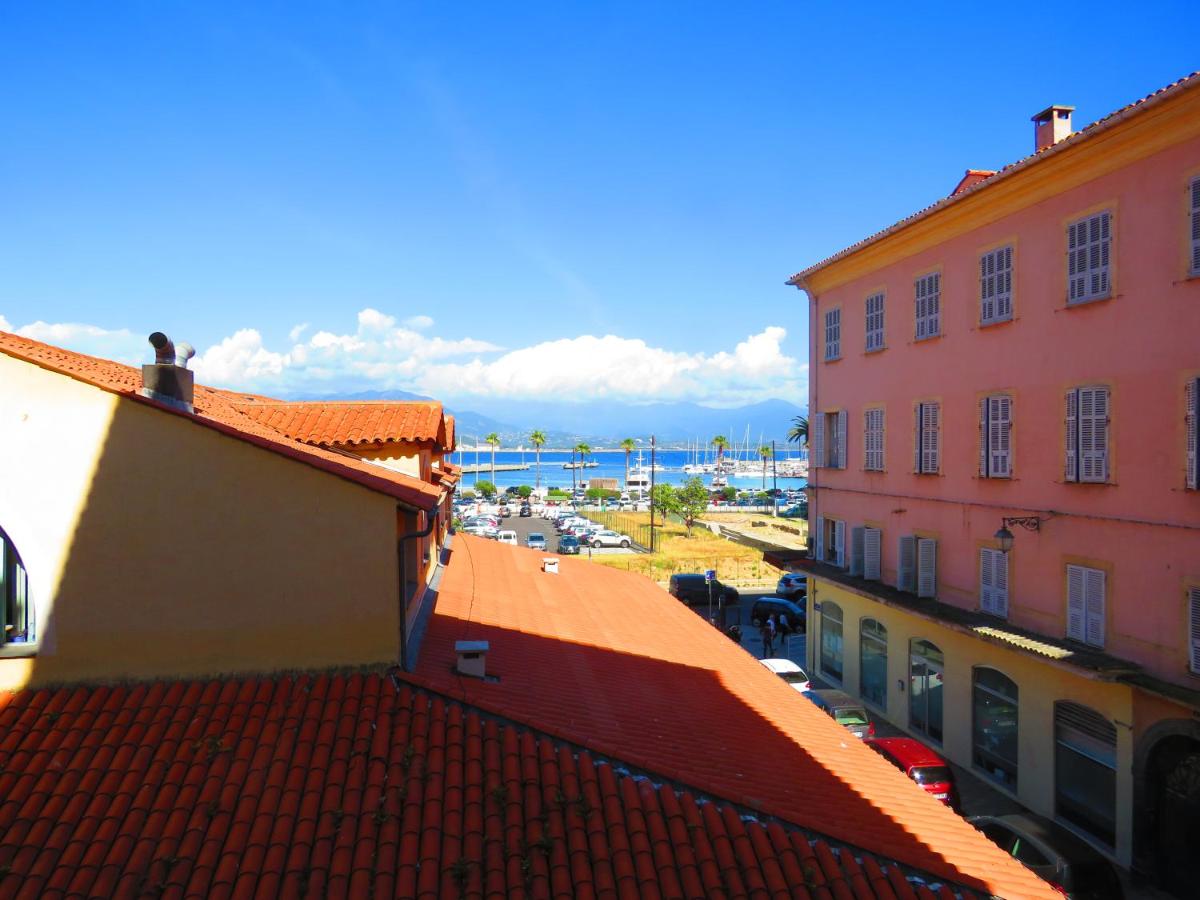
[550, 565]
[472, 658]
[169, 380]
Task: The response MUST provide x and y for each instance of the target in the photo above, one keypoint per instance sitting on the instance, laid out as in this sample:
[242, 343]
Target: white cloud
[297, 330]
[4, 325]
[419, 323]
[120, 344]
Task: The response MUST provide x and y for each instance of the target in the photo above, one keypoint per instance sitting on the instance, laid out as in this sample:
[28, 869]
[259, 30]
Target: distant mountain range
[606, 422]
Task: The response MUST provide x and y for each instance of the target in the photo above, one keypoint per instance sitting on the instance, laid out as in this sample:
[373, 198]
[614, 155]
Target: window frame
[873, 439]
[927, 439]
[927, 303]
[989, 583]
[876, 638]
[874, 336]
[1080, 245]
[840, 620]
[16, 602]
[833, 325]
[995, 435]
[1075, 470]
[996, 285]
[982, 757]
[1091, 581]
[1194, 226]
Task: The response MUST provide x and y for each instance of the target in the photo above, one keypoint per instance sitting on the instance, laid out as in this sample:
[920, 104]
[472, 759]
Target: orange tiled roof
[608, 660]
[363, 786]
[221, 410]
[451, 434]
[330, 423]
[1188, 82]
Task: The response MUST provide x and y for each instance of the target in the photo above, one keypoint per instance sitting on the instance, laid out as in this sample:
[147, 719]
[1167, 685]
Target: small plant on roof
[460, 872]
[499, 793]
[337, 815]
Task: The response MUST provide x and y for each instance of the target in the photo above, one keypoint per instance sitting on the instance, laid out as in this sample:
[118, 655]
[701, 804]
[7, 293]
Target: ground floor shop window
[1085, 770]
[873, 662]
[831, 640]
[927, 666]
[994, 726]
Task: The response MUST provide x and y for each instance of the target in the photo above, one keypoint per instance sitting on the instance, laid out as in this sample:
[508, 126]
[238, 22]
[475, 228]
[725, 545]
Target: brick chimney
[1051, 125]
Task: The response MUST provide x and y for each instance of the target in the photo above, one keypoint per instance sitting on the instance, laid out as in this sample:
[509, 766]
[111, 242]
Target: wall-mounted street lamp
[1004, 537]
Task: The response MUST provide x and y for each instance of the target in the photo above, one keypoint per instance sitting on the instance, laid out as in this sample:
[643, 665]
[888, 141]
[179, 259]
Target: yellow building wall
[1039, 685]
[158, 547]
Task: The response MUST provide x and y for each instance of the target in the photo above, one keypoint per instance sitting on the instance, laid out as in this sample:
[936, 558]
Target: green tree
[486, 488]
[798, 433]
[765, 452]
[628, 445]
[583, 450]
[537, 439]
[728, 494]
[494, 440]
[524, 492]
[467, 494]
[691, 502]
[722, 444]
[663, 500]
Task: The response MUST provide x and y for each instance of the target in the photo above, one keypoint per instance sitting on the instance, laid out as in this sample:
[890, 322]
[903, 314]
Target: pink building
[1004, 503]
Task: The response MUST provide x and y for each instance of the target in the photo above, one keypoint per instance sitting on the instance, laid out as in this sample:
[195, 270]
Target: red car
[920, 764]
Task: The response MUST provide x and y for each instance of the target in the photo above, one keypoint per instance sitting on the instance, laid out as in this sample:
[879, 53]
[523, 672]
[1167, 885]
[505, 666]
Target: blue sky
[517, 200]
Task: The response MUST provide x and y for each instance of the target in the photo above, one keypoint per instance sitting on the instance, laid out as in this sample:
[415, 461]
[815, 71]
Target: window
[828, 440]
[995, 286]
[831, 640]
[875, 322]
[872, 553]
[995, 437]
[833, 333]
[1194, 627]
[993, 582]
[872, 648]
[928, 291]
[1088, 243]
[873, 440]
[994, 726]
[831, 541]
[1087, 434]
[1195, 217]
[1191, 396]
[926, 430]
[926, 674]
[1085, 769]
[917, 572]
[17, 624]
[1085, 605]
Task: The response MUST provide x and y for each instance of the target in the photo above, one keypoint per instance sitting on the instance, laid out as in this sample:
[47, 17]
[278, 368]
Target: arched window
[831, 640]
[872, 669]
[994, 725]
[16, 609]
[1085, 769]
[926, 671]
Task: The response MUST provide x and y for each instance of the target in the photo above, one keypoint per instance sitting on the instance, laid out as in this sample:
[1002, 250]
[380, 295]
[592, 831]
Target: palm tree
[583, 450]
[765, 452]
[798, 433]
[494, 440]
[537, 439]
[722, 444]
[628, 446]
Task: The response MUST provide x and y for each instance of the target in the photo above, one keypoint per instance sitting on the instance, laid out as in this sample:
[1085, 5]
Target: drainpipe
[814, 500]
[431, 521]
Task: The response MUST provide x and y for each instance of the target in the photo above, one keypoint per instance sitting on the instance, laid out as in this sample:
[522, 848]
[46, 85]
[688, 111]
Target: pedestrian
[765, 633]
[774, 628]
[785, 628]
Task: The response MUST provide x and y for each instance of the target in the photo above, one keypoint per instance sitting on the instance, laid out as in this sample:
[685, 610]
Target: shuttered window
[873, 440]
[872, 554]
[828, 440]
[1191, 396]
[833, 333]
[838, 457]
[1087, 434]
[831, 541]
[839, 544]
[874, 305]
[1088, 249]
[928, 294]
[926, 455]
[857, 549]
[1194, 627]
[993, 582]
[1085, 605]
[995, 436]
[1195, 223]
[995, 286]
[906, 564]
[926, 567]
[816, 451]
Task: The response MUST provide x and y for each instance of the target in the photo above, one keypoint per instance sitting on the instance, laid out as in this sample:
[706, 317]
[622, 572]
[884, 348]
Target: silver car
[535, 540]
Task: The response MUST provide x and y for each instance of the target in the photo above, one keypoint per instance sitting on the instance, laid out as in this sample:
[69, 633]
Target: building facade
[1006, 523]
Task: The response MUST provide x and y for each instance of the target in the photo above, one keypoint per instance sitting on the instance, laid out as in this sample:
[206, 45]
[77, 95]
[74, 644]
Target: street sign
[709, 575]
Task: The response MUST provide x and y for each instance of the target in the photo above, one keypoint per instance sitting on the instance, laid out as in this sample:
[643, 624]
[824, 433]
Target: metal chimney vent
[169, 380]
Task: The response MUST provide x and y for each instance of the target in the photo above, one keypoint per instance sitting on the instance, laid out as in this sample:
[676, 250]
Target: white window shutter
[872, 553]
[1000, 436]
[1093, 434]
[987, 287]
[839, 543]
[857, 538]
[1195, 226]
[1088, 257]
[984, 449]
[841, 439]
[987, 584]
[1075, 602]
[816, 424]
[926, 567]
[1000, 583]
[1194, 625]
[906, 570]
[820, 538]
[1094, 596]
[934, 303]
[918, 434]
[1071, 469]
[1192, 402]
[929, 428]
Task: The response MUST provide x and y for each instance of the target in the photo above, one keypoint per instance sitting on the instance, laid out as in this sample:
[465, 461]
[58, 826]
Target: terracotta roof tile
[348, 423]
[609, 661]
[221, 410]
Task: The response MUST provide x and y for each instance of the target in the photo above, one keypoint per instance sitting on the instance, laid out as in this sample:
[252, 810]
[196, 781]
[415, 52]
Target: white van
[507, 537]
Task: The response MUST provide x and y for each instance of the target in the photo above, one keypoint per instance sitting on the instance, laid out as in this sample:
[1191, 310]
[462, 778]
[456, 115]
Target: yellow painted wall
[156, 546]
[1039, 685]
[407, 458]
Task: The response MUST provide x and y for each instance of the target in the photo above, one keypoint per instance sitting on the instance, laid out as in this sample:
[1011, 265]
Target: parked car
[526, 511]
[799, 511]
[797, 616]
[920, 764]
[504, 512]
[535, 540]
[1070, 864]
[568, 545]
[844, 710]
[507, 537]
[693, 590]
[604, 538]
[792, 585]
[789, 672]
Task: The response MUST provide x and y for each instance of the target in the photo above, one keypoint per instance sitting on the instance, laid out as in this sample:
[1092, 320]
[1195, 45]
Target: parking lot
[523, 526]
